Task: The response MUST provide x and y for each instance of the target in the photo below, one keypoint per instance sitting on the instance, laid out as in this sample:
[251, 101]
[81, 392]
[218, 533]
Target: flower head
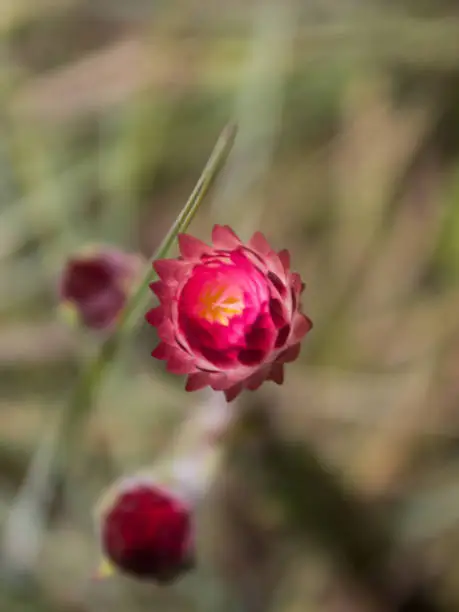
[96, 283]
[229, 314]
[146, 530]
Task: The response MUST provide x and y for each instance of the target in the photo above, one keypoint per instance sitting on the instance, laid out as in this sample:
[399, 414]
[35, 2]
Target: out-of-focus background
[347, 154]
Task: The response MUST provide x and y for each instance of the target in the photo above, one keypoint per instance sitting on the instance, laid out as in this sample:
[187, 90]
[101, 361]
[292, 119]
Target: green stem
[88, 386]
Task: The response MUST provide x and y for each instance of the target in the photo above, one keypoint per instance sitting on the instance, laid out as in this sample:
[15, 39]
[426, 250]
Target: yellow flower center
[217, 305]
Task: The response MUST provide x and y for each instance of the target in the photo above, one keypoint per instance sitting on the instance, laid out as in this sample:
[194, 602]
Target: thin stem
[87, 388]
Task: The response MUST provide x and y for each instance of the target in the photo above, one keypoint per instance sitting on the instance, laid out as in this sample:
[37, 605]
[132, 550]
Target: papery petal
[167, 269]
[275, 265]
[251, 357]
[300, 326]
[180, 364]
[290, 354]
[218, 358]
[259, 337]
[197, 381]
[161, 290]
[184, 269]
[282, 336]
[259, 244]
[224, 238]
[242, 262]
[284, 257]
[155, 316]
[191, 247]
[277, 312]
[297, 286]
[278, 283]
[161, 351]
[219, 382]
[166, 332]
[296, 283]
[276, 373]
[257, 379]
[233, 392]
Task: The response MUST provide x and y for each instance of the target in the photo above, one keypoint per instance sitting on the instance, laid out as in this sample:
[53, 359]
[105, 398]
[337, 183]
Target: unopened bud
[95, 285]
[147, 530]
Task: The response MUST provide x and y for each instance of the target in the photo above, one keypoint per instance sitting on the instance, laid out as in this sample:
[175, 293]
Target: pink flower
[96, 283]
[146, 531]
[229, 315]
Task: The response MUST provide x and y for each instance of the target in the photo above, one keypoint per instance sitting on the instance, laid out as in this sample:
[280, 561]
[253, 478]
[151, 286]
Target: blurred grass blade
[132, 143]
[24, 527]
[257, 109]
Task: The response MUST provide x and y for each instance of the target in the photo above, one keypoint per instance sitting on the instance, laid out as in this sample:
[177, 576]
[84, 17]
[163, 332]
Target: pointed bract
[180, 365]
[259, 244]
[162, 291]
[197, 381]
[155, 316]
[232, 393]
[277, 373]
[167, 269]
[301, 325]
[161, 351]
[284, 257]
[291, 354]
[223, 237]
[192, 248]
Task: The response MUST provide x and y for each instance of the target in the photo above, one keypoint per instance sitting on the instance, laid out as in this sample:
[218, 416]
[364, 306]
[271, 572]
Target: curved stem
[86, 390]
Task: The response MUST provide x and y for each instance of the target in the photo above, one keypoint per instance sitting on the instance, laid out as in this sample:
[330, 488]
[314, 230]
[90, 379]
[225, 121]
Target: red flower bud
[147, 531]
[96, 283]
[230, 315]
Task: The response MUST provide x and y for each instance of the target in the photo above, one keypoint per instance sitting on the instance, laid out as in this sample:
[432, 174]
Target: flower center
[218, 305]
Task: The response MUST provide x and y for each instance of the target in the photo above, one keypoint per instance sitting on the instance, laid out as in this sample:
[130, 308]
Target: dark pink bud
[96, 283]
[147, 532]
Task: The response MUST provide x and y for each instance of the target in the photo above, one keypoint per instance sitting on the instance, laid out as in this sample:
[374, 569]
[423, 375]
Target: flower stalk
[90, 381]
